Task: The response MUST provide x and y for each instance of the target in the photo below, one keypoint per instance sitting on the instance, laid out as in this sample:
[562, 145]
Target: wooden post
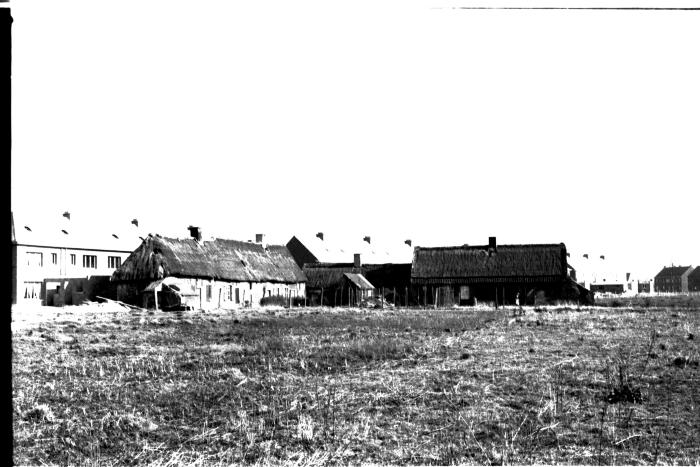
[394, 296]
[436, 298]
[382, 297]
[321, 296]
[155, 296]
[406, 297]
[497, 297]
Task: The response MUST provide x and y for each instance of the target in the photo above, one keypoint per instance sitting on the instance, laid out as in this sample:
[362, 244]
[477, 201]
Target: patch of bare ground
[555, 385]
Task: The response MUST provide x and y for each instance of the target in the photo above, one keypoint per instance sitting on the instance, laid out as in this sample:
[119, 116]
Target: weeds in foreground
[396, 387]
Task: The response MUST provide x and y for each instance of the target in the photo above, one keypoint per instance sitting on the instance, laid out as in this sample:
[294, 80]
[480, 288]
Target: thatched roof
[475, 263]
[331, 274]
[673, 271]
[220, 259]
[327, 275]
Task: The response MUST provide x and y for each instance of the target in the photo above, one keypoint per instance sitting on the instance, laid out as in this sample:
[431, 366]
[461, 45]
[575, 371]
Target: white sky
[393, 119]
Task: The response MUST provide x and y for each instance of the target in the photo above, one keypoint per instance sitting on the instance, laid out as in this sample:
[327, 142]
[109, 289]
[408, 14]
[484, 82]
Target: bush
[274, 300]
[298, 301]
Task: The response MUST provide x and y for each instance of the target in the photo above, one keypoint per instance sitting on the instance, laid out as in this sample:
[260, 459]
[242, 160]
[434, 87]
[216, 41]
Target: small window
[90, 261]
[208, 292]
[238, 298]
[54, 258]
[230, 293]
[72, 259]
[35, 258]
[114, 262]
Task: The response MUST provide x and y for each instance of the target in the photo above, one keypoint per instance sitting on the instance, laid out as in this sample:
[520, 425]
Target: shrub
[298, 301]
[274, 300]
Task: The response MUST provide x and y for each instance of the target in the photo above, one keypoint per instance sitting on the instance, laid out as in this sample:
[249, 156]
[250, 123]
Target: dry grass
[562, 385]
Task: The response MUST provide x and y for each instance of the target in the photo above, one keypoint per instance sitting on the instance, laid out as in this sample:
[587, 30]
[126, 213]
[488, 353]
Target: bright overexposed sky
[401, 119]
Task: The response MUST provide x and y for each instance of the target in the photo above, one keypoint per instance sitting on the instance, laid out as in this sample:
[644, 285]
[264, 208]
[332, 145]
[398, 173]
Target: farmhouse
[501, 274]
[207, 274]
[673, 279]
[59, 260]
[385, 266]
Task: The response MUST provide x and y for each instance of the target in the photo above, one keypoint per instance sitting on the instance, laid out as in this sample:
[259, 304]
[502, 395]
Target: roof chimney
[602, 256]
[196, 233]
[367, 239]
[66, 215]
[259, 238]
[135, 222]
[585, 255]
[358, 262]
[492, 243]
[320, 235]
[408, 242]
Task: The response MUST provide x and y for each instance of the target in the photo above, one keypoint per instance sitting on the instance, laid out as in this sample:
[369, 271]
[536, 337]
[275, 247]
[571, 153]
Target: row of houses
[457, 275]
[55, 265]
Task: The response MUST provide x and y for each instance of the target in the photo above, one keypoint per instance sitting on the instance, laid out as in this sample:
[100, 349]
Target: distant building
[672, 279]
[57, 261]
[503, 274]
[643, 287]
[694, 280]
[207, 274]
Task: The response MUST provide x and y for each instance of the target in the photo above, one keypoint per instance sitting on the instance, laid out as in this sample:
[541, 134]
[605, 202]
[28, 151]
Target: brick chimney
[259, 238]
[320, 235]
[492, 244]
[408, 242]
[358, 262]
[367, 239]
[135, 222]
[66, 215]
[196, 233]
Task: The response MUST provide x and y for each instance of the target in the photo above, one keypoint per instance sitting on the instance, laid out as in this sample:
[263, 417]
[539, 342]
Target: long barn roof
[480, 262]
[220, 259]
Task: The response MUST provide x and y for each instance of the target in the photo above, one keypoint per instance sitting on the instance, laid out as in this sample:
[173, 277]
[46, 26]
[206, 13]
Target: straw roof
[506, 262]
[327, 275]
[220, 259]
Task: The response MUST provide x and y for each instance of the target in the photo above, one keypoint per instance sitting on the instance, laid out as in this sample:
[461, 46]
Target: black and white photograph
[368, 232]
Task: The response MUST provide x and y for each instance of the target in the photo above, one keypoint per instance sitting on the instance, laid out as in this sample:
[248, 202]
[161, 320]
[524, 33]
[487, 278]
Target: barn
[205, 274]
[386, 265]
[499, 274]
[336, 284]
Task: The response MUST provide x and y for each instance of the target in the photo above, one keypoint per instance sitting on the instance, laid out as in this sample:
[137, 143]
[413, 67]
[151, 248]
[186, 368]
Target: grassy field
[97, 385]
